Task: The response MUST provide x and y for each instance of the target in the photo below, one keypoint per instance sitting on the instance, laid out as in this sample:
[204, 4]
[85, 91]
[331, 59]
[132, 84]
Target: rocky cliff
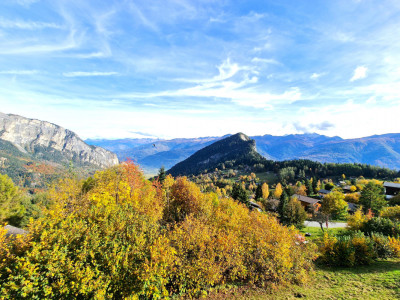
[47, 141]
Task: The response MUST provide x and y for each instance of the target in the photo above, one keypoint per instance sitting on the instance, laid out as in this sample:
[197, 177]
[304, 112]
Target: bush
[125, 237]
[392, 213]
[381, 225]
[394, 201]
[348, 251]
[352, 197]
[382, 246]
[354, 250]
[357, 220]
[395, 245]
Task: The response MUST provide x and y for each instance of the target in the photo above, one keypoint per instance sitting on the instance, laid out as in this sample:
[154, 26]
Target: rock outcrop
[43, 138]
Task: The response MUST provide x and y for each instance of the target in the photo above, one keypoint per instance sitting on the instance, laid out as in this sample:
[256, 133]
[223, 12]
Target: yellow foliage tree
[278, 191]
[265, 190]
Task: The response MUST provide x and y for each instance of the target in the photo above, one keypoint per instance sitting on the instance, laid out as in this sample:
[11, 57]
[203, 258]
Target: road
[331, 225]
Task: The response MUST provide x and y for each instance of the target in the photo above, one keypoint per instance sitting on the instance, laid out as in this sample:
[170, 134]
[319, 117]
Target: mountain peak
[234, 151]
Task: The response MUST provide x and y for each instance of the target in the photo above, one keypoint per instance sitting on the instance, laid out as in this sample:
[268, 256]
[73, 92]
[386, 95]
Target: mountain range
[151, 154]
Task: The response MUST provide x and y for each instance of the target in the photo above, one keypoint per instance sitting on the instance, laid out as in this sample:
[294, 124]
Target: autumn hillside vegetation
[117, 235]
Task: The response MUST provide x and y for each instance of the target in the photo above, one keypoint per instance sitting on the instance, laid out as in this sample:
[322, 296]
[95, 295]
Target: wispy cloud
[28, 25]
[19, 72]
[26, 2]
[89, 74]
[201, 62]
[26, 47]
[359, 73]
[265, 61]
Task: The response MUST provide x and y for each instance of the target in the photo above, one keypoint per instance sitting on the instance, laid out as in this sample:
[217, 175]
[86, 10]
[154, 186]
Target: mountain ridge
[381, 150]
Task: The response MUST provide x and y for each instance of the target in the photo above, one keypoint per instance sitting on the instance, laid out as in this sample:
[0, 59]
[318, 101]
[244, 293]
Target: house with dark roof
[323, 192]
[351, 207]
[346, 189]
[307, 202]
[255, 206]
[391, 189]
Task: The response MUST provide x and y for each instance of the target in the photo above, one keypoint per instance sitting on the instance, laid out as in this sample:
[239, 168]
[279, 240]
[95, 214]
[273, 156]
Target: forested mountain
[379, 150]
[32, 149]
[236, 151]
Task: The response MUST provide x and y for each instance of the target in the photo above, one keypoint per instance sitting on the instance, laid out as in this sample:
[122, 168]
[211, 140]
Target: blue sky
[183, 68]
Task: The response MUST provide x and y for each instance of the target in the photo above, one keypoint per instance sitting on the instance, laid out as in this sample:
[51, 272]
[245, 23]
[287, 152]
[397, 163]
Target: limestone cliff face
[31, 136]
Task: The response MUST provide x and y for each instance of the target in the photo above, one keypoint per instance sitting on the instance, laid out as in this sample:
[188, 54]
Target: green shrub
[381, 246]
[384, 226]
[392, 213]
[355, 250]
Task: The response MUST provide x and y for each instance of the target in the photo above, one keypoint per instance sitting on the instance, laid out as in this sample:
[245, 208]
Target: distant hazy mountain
[232, 151]
[151, 154]
[380, 150]
[30, 147]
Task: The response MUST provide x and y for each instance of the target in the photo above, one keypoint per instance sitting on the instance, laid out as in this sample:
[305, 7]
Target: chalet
[391, 189]
[351, 207]
[307, 202]
[255, 206]
[323, 192]
[346, 189]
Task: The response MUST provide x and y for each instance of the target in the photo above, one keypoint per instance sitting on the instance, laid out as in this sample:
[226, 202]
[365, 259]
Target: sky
[179, 68]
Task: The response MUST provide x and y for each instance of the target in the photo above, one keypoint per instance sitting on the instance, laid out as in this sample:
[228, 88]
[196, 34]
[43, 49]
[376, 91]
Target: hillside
[34, 151]
[236, 151]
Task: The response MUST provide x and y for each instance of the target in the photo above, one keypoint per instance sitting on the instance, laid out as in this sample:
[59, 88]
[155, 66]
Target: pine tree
[161, 174]
[259, 193]
[283, 202]
[239, 194]
[309, 187]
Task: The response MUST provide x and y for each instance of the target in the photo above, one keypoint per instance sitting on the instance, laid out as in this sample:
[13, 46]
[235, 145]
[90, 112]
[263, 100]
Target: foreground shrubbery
[118, 236]
[357, 249]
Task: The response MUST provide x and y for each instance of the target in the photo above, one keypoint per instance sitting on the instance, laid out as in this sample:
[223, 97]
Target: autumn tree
[294, 213]
[333, 204]
[11, 208]
[278, 191]
[265, 190]
[372, 197]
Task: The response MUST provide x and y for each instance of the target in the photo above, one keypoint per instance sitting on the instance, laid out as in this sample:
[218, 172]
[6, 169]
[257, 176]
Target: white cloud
[359, 73]
[265, 61]
[88, 74]
[19, 72]
[316, 75]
